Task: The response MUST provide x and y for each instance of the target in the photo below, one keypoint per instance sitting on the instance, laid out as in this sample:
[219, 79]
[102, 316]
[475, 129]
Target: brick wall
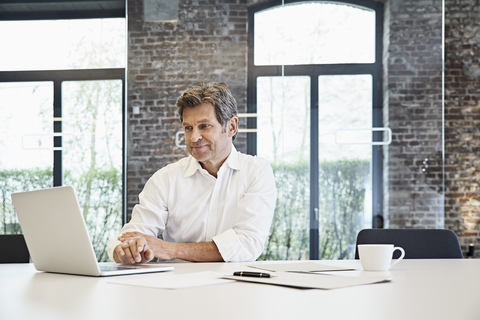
[209, 43]
[462, 119]
[413, 110]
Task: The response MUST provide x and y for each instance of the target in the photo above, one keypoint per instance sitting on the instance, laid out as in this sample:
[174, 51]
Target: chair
[13, 249]
[417, 243]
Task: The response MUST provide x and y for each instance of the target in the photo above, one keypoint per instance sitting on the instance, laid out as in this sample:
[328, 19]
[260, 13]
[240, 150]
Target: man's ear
[232, 126]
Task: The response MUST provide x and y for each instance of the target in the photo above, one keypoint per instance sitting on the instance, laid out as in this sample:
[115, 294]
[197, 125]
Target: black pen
[251, 274]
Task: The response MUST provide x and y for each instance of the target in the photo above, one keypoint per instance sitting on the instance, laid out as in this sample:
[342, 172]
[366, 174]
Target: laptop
[57, 236]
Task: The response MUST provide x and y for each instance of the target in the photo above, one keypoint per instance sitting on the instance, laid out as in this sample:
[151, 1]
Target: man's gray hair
[216, 94]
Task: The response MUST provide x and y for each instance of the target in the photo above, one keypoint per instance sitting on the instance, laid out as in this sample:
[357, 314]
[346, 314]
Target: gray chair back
[417, 243]
[13, 249]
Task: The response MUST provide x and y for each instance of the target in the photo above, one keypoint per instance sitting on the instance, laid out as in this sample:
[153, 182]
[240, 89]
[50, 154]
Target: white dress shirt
[184, 203]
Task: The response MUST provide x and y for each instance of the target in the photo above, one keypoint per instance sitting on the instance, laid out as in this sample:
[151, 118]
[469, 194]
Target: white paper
[174, 281]
[307, 266]
[313, 280]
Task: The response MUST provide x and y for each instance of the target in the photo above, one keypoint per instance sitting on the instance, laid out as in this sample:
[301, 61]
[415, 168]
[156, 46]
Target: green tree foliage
[342, 206]
[289, 233]
[102, 214]
[15, 180]
[342, 198]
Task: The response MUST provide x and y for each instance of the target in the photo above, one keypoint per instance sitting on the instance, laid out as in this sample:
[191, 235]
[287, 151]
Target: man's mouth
[198, 146]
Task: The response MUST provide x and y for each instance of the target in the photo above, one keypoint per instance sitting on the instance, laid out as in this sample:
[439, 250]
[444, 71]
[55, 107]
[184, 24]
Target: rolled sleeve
[230, 247]
[245, 240]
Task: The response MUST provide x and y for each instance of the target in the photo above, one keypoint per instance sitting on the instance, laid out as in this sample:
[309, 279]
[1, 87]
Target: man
[216, 205]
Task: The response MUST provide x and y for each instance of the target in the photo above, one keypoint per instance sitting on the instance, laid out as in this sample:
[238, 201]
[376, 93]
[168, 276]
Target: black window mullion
[314, 170]
[57, 138]
[124, 151]
[252, 121]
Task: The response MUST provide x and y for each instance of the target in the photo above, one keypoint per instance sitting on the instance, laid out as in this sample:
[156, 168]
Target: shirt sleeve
[246, 239]
[149, 216]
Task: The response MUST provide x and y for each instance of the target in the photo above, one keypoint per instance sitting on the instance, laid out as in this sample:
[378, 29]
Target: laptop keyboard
[115, 268]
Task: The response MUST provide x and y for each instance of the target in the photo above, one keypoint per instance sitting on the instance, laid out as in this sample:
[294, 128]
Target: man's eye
[187, 128]
[203, 126]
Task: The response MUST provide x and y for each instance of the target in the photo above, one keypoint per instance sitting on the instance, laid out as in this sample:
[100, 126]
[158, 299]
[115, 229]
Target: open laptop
[57, 237]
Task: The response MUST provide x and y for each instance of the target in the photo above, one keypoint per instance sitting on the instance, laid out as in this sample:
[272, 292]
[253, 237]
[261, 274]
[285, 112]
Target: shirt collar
[232, 161]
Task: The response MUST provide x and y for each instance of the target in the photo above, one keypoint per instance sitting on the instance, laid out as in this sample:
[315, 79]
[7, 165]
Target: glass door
[76, 140]
[26, 144]
[283, 137]
[92, 140]
[62, 96]
[344, 162]
[313, 73]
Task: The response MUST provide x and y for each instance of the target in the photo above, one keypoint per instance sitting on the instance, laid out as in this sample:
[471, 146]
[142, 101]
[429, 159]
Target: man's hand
[160, 249]
[137, 247]
[133, 250]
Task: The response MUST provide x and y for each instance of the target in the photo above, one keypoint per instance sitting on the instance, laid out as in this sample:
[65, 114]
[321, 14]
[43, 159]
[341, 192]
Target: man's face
[206, 140]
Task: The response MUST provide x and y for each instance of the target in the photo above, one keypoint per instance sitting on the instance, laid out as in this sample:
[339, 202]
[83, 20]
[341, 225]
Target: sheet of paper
[174, 281]
[306, 266]
[313, 280]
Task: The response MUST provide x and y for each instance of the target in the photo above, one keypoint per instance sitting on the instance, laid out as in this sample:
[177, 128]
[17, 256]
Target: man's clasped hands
[138, 248]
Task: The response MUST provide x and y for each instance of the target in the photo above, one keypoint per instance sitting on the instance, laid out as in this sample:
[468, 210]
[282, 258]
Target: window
[62, 111]
[63, 44]
[315, 86]
[314, 33]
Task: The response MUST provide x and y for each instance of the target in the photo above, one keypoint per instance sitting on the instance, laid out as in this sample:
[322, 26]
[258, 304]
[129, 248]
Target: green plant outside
[342, 196]
[102, 205]
[341, 210]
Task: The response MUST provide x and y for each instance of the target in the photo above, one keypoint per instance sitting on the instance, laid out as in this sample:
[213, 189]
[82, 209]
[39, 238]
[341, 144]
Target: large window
[62, 89]
[315, 86]
[62, 44]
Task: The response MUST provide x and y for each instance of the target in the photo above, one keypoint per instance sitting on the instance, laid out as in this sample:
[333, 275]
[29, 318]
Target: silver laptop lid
[55, 231]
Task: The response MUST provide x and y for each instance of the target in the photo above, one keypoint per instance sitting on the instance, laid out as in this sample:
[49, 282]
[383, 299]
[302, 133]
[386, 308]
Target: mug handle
[402, 255]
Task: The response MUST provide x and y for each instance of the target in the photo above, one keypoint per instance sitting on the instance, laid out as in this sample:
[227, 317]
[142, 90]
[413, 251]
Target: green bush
[101, 201]
[341, 209]
[342, 195]
[14, 181]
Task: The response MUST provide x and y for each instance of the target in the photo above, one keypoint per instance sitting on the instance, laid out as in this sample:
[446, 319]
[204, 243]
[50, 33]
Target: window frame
[72, 10]
[61, 9]
[314, 71]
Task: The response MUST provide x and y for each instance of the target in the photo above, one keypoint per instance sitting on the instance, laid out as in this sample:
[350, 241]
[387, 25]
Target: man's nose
[196, 136]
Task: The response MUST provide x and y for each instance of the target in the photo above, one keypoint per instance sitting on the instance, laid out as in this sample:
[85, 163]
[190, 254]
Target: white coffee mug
[378, 257]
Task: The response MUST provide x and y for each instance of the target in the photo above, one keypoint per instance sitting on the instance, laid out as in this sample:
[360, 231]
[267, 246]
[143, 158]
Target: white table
[421, 289]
